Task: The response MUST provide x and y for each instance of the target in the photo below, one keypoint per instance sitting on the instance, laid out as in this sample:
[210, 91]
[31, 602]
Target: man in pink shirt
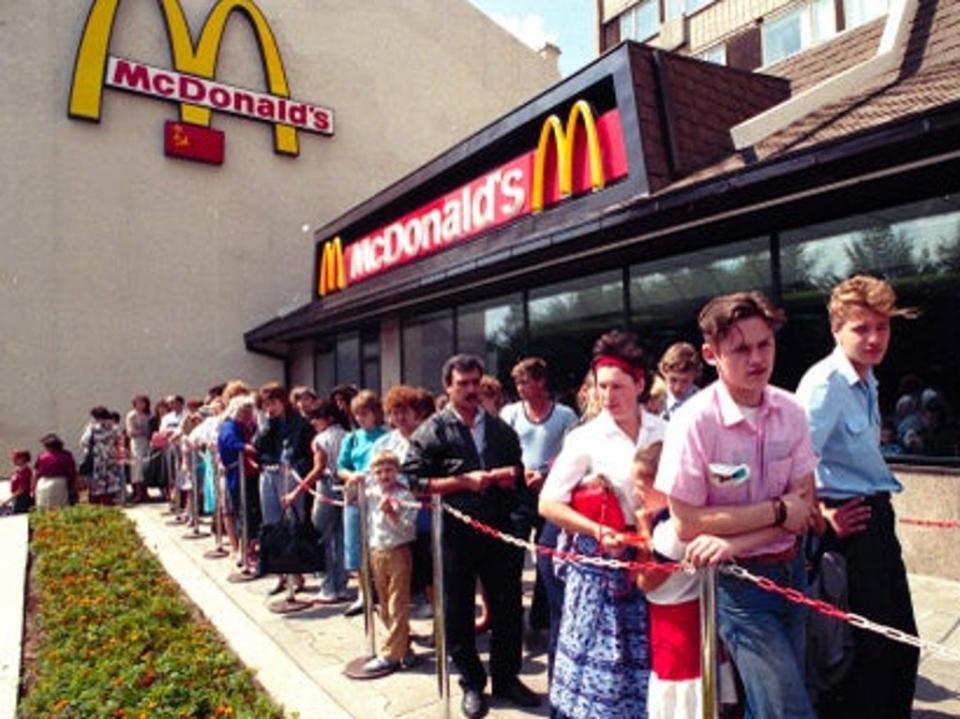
[738, 465]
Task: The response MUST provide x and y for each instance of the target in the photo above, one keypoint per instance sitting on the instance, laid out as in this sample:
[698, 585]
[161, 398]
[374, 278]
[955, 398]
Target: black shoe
[278, 587]
[354, 609]
[474, 705]
[516, 693]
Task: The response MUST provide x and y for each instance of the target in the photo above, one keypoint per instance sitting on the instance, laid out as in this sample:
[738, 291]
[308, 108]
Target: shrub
[114, 636]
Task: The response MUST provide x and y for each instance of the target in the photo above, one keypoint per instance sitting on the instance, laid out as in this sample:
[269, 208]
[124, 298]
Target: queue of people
[654, 470]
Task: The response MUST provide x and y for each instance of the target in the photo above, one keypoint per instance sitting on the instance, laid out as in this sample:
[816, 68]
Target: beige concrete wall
[123, 271]
[929, 494]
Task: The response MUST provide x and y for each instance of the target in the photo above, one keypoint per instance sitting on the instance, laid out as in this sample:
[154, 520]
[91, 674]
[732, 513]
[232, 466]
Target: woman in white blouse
[602, 661]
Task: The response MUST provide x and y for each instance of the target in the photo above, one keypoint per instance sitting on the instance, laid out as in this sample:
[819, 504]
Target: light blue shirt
[844, 419]
[540, 441]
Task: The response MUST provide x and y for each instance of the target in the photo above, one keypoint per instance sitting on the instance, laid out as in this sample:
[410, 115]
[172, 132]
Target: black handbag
[290, 546]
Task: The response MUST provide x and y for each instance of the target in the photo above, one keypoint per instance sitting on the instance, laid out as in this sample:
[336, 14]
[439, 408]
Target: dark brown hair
[720, 314]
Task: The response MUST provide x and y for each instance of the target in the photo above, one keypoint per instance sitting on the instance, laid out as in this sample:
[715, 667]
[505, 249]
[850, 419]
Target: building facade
[651, 180]
[125, 268]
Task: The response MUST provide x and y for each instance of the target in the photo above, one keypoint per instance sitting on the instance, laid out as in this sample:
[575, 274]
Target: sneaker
[326, 598]
[354, 609]
[381, 664]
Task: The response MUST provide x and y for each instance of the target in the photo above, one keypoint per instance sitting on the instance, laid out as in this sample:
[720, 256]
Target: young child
[673, 603]
[21, 482]
[391, 529]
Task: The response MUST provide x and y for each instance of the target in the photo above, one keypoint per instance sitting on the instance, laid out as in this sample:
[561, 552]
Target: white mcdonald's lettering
[489, 201]
[167, 84]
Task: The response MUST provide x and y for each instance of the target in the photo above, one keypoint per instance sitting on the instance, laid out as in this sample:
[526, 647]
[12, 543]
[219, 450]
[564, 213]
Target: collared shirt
[672, 403]
[844, 421]
[713, 455]
[601, 447]
[386, 531]
[478, 430]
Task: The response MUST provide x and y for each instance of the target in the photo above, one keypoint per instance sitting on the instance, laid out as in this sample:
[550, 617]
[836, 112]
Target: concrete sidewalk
[299, 658]
[319, 642]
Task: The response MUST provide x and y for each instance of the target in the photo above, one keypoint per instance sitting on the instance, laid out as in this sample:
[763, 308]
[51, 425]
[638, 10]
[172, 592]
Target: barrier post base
[242, 577]
[196, 535]
[217, 553]
[354, 669]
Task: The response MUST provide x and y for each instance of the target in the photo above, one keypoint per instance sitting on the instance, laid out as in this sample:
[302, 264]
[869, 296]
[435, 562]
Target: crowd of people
[650, 468]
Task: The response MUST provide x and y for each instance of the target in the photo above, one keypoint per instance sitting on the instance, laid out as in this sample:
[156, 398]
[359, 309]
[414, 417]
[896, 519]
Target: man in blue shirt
[839, 394]
[541, 424]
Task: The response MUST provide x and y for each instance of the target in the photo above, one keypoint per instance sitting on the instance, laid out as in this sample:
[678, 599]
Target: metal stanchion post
[245, 574]
[195, 532]
[170, 469]
[709, 676]
[354, 668]
[439, 601]
[218, 552]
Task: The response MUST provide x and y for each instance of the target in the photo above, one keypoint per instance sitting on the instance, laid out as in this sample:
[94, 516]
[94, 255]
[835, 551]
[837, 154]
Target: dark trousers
[552, 589]
[468, 555]
[540, 606]
[884, 673]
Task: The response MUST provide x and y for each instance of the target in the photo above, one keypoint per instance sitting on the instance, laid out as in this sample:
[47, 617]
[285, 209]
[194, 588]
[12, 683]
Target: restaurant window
[324, 367]
[567, 318]
[666, 295]
[493, 330]
[370, 359]
[917, 248]
[641, 22]
[348, 358]
[427, 343]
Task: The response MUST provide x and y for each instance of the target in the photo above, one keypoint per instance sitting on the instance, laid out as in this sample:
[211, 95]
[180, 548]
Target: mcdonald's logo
[582, 161]
[565, 144]
[191, 83]
[331, 275]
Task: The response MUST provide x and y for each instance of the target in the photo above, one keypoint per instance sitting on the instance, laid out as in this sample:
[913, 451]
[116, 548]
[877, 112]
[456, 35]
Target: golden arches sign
[200, 59]
[564, 141]
[332, 275]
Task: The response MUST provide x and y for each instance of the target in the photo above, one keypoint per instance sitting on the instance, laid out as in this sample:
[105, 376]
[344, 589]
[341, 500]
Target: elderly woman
[105, 441]
[233, 441]
[138, 430]
[602, 659]
[55, 478]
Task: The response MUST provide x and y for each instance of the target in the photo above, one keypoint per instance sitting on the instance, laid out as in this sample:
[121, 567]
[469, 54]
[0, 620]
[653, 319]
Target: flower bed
[111, 635]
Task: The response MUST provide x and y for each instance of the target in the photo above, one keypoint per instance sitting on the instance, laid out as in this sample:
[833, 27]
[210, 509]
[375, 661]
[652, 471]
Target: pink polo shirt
[713, 455]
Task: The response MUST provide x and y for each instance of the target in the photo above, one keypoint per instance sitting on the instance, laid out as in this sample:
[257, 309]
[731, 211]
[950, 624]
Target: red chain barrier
[936, 523]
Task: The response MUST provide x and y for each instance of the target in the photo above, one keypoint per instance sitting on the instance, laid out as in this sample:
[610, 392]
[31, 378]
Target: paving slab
[14, 538]
[299, 658]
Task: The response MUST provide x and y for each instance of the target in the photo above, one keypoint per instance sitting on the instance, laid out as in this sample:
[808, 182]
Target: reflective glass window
[917, 248]
[348, 358]
[427, 343]
[493, 330]
[566, 319]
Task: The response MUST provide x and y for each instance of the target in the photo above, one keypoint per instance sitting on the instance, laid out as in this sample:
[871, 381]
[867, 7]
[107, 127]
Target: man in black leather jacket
[474, 460]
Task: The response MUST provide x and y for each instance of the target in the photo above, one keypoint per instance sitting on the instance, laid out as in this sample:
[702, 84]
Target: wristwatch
[780, 512]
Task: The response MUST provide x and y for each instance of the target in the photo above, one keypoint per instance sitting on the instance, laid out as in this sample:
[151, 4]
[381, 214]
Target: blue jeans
[351, 537]
[764, 634]
[328, 521]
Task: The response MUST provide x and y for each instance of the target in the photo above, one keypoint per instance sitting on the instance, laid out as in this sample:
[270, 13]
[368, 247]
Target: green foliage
[116, 638]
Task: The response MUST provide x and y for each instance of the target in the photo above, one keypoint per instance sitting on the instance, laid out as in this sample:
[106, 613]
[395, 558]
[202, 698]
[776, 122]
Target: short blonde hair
[385, 457]
[865, 291]
[235, 388]
[238, 404]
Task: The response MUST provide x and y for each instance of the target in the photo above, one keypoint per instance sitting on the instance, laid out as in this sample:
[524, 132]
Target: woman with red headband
[602, 662]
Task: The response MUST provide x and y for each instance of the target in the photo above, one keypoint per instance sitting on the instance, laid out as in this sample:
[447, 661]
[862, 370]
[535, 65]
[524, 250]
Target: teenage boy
[737, 466]
[680, 368]
[854, 484]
